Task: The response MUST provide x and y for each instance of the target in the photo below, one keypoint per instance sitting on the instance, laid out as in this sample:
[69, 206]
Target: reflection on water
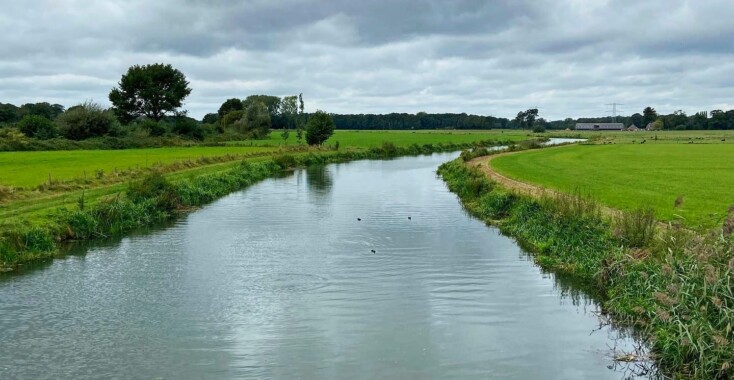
[279, 281]
[318, 178]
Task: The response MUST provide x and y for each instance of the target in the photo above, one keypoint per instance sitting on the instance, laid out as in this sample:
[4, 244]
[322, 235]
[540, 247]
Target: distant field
[659, 137]
[27, 169]
[627, 176]
[366, 139]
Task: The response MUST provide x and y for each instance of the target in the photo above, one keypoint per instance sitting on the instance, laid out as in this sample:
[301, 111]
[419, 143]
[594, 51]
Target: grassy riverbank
[671, 283]
[688, 182]
[42, 224]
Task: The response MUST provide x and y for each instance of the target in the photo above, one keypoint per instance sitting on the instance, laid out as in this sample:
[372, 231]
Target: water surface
[279, 281]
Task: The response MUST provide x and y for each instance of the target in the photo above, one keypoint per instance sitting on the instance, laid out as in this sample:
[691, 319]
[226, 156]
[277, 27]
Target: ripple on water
[290, 282]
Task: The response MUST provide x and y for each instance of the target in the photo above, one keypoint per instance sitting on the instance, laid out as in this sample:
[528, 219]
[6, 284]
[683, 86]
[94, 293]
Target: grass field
[29, 169]
[366, 139]
[658, 137]
[628, 176]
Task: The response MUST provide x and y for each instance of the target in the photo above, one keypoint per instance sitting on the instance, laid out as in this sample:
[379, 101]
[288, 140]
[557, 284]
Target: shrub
[38, 127]
[185, 126]
[319, 128]
[88, 120]
[285, 161]
[154, 128]
[231, 117]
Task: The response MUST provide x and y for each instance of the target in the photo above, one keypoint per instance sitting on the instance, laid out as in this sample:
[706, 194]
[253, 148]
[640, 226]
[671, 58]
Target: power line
[614, 110]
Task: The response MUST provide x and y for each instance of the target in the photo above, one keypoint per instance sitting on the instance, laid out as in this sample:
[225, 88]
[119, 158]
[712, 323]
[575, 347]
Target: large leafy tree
[228, 106]
[526, 119]
[649, 115]
[272, 103]
[150, 90]
[257, 120]
[319, 128]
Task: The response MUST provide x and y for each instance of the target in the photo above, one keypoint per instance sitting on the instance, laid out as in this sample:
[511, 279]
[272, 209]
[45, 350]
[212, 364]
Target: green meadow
[630, 176]
[368, 139]
[30, 169]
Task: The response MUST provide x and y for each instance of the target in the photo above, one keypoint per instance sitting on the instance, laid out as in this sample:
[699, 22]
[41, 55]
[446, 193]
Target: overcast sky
[568, 57]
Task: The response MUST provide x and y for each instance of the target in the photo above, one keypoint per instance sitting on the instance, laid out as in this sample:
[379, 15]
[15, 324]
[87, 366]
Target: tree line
[421, 120]
[147, 102]
[676, 121]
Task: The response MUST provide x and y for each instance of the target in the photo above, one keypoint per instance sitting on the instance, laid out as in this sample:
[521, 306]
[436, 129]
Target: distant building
[633, 128]
[599, 127]
[650, 126]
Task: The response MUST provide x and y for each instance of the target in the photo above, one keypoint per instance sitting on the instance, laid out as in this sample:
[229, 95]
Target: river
[280, 281]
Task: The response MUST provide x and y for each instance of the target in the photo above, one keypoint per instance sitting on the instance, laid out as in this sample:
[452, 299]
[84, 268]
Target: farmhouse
[599, 127]
[633, 128]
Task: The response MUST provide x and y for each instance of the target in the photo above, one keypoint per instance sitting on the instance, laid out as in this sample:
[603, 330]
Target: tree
[255, 120]
[38, 127]
[47, 110]
[289, 114]
[718, 120]
[272, 103]
[299, 119]
[230, 118]
[677, 120]
[9, 113]
[636, 119]
[228, 106]
[87, 120]
[319, 128]
[649, 115]
[187, 126]
[151, 91]
[658, 125]
[526, 119]
[210, 118]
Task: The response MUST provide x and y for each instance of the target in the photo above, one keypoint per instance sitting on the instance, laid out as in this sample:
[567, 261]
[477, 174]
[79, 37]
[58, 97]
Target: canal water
[283, 281]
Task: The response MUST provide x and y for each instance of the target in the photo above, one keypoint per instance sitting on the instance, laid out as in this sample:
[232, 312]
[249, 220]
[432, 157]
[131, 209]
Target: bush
[185, 126]
[88, 120]
[285, 161]
[538, 129]
[154, 128]
[231, 117]
[319, 128]
[38, 127]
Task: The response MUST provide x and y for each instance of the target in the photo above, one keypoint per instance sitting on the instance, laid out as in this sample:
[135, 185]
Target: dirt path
[482, 163]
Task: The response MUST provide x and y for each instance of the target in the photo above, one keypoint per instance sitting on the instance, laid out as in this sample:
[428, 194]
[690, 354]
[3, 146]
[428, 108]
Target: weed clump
[635, 228]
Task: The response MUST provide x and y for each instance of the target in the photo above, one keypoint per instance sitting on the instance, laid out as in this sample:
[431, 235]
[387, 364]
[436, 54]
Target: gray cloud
[569, 57]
